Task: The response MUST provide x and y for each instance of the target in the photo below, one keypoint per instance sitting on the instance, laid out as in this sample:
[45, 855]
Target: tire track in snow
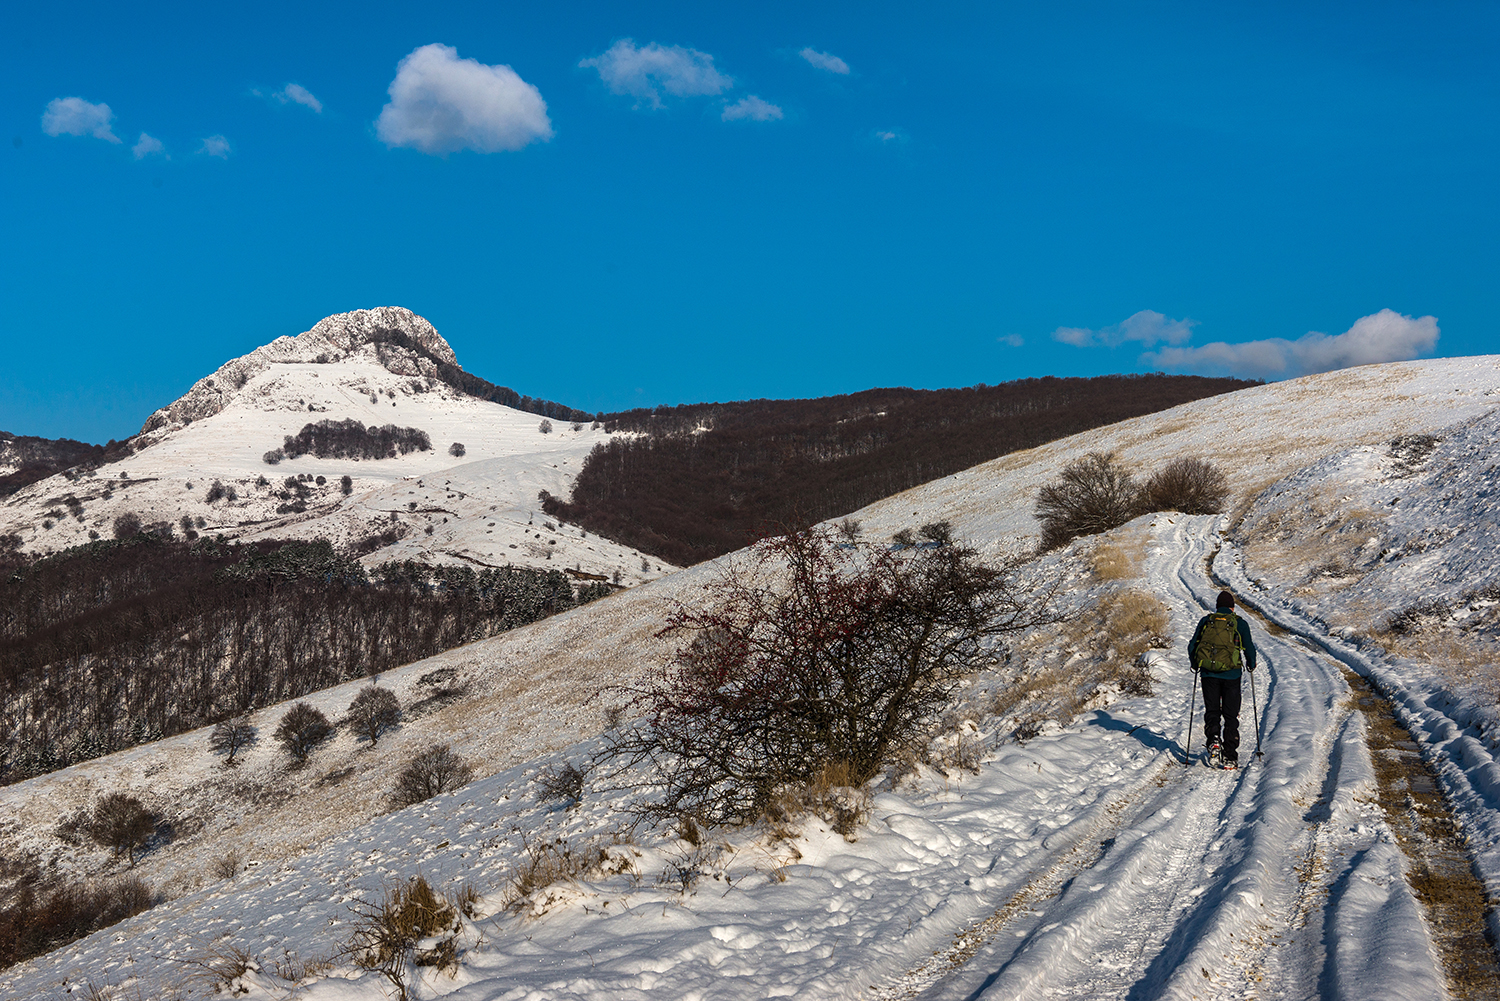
[1200, 880]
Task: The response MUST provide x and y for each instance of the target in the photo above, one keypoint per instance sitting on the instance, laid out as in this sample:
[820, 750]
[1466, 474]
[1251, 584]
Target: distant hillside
[705, 479]
[25, 459]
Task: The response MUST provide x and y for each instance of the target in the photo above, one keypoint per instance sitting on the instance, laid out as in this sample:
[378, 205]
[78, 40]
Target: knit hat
[1226, 600]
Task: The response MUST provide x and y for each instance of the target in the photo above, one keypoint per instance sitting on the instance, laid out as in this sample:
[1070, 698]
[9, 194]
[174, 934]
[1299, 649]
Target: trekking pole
[1255, 705]
[1187, 740]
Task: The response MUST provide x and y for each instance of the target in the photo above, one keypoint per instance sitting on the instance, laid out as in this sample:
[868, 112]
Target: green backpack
[1219, 647]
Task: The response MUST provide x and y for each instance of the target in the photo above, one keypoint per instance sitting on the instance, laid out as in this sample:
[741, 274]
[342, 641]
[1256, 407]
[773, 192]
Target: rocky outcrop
[394, 338]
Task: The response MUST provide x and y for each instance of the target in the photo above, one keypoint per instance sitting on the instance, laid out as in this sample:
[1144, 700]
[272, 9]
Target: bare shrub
[1189, 485]
[225, 866]
[302, 729]
[294, 969]
[346, 485]
[1094, 494]
[32, 923]
[811, 651]
[938, 533]
[457, 450]
[374, 711]
[127, 525]
[564, 782]
[545, 863]
[221, 968]
[232, 736]
[436, 770]
[960, 749]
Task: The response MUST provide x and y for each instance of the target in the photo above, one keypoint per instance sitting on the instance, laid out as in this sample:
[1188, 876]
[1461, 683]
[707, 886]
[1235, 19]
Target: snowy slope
[482, 508]
[1087, 862]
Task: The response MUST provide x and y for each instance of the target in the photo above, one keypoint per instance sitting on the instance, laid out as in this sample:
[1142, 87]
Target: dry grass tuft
[832, 794]
[387, 932]
[1104, 646]
[1112, 563]
[547, 863]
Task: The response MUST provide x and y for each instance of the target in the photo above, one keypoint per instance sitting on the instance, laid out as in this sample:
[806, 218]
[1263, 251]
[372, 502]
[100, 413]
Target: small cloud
[1012, 340]
[1379, 337]
[825, 61]
[890, 137]
[752, 108]
[76, 117]
[216, 146]
[441, 104]
[644, 72]
[295, 93]
[1148, 327]
[147, 145]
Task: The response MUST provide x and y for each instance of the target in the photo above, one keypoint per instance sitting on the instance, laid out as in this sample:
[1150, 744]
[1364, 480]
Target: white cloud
[752, 108]
[147, 145]
[891, 136]
[1012, 340]
[216, 146]
[1147, 326]
[645, 72]
[295, 93]
[76, 117]
[441, 104]
[825, 61]
[1379, 337]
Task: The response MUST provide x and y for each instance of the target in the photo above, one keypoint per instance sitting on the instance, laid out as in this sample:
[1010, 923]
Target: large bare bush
[1093, 494]
[814, 650]
[435, 770]
[121, 823]
[1190, 485]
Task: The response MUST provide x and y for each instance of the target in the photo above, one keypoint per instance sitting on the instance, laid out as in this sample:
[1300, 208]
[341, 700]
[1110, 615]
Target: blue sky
[619, 205]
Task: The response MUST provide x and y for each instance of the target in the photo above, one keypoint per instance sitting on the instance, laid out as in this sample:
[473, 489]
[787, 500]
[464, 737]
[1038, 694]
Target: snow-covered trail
[1276, 882]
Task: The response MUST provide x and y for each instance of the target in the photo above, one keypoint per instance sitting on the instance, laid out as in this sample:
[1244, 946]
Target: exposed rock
[363, 334]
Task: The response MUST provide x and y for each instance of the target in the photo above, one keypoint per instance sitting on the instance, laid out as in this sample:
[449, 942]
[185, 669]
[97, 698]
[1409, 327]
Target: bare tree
[435, 770]
[231, 736]
[374, 711]
[127, 525]
[812, 652]
[457, 450]
[121, 823]
[302, 729]
[545, 427]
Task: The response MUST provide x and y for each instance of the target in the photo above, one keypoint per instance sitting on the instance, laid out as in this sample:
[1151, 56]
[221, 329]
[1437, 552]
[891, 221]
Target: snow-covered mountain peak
[394, 338]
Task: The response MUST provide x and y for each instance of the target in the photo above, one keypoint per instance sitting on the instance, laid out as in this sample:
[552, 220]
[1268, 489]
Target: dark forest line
[115, 643]
[701, 480]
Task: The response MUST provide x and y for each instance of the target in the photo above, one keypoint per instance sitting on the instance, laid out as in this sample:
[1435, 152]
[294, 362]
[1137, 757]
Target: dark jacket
[1245, 641]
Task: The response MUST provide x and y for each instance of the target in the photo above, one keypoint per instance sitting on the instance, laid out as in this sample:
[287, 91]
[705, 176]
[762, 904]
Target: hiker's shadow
[1139, 731]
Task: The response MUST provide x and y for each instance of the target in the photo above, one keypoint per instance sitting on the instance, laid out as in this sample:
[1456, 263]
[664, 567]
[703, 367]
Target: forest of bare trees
[119, 642]
[701, 480]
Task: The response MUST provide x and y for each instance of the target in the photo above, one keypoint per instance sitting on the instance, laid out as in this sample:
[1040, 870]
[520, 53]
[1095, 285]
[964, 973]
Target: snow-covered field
[1087, 862]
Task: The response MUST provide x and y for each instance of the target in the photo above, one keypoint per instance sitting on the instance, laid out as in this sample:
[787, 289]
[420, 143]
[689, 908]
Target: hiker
[1220, 646]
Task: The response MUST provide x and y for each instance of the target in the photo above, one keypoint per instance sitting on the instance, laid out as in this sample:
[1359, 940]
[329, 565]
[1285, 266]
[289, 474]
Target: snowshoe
[1214, 756]
[1230, 764]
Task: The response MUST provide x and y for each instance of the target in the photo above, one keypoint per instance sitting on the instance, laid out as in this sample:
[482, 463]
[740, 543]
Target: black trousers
[1221, 713]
